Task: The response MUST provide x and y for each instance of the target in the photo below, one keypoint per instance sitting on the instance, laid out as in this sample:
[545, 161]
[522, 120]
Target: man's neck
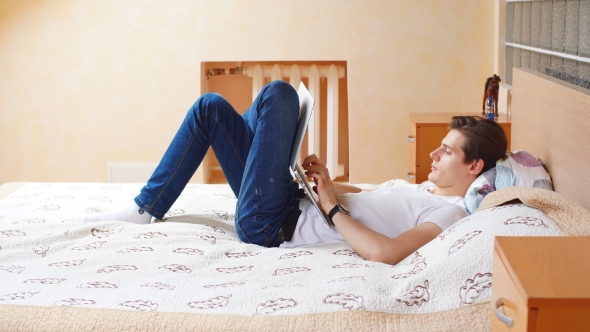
[449, 191]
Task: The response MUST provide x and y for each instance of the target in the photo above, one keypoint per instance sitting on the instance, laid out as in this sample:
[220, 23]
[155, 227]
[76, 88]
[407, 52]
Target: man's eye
[447, 152]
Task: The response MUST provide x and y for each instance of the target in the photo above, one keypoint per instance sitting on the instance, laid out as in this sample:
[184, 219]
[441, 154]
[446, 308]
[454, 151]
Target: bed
[190, 272]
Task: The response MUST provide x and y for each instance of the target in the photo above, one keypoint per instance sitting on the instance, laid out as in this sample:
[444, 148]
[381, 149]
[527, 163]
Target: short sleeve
[443, 215]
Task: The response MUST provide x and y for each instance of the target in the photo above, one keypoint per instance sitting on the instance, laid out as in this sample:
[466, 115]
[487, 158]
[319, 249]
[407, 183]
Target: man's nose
[434, 154]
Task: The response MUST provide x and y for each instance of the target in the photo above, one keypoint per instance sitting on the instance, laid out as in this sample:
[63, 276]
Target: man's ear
[476, 166]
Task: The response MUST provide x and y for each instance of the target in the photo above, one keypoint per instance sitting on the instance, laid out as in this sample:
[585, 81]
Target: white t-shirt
[389, 211]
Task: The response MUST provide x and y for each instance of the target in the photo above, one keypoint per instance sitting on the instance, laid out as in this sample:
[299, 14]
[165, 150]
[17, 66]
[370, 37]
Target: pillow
[520, 168]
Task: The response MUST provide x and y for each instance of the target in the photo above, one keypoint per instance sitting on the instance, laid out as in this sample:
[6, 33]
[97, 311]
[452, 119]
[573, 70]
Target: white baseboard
[129, 172]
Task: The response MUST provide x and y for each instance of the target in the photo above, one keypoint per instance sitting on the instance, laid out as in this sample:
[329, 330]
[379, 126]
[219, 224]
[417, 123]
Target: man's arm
[366, 242]
[377, 247]
[342, 188]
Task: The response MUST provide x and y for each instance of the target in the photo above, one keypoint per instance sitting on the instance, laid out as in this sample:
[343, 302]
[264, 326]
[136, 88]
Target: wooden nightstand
[541, 284]
[427, 131]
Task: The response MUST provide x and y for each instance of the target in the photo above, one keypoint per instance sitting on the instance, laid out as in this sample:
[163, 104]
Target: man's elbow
[383, 255]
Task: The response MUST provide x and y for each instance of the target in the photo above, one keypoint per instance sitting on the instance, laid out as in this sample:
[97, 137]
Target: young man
[389, 224]
[253, 150]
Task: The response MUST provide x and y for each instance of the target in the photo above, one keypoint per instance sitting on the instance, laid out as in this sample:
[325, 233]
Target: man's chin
[432, 177]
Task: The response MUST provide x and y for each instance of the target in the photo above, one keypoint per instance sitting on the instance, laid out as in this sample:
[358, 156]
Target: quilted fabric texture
[520, 168]
[193, 262]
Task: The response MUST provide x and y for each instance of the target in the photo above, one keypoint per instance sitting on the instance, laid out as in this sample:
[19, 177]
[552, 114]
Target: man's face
[448, 169]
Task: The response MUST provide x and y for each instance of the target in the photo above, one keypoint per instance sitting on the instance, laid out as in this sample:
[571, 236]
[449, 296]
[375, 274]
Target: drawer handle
[411, 176]
[503, 318]
[411, 139]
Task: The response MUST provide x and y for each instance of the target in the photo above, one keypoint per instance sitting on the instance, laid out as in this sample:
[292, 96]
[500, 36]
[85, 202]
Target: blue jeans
[253, 151]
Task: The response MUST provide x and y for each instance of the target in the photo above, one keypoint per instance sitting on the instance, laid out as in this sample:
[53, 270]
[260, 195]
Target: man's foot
[131, 213]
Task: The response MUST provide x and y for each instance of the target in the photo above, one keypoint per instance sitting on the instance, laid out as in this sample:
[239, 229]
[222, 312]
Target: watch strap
[337, 208]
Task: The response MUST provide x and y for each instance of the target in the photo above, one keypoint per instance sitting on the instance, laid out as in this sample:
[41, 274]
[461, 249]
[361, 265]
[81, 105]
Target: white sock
[130, 213]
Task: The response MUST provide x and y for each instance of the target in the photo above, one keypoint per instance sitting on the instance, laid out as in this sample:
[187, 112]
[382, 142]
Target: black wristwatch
[336, 209]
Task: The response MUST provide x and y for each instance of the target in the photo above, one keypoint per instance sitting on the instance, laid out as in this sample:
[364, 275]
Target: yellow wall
[87, 82]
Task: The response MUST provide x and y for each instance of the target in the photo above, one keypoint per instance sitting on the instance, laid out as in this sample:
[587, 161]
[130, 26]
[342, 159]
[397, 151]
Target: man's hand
[324, 186]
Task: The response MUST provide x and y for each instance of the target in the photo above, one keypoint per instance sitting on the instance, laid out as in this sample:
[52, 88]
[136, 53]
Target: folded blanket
[571, 217]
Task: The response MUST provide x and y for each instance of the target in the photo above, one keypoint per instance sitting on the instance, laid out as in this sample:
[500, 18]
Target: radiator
[314, 73]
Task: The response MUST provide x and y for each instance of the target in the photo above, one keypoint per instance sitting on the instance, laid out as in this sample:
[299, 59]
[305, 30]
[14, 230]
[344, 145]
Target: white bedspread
[193, 262]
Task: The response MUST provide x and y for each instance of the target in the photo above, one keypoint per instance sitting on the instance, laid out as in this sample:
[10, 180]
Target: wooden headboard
[551, 119]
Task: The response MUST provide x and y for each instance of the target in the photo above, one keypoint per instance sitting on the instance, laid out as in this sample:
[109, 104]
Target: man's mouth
[432, 168]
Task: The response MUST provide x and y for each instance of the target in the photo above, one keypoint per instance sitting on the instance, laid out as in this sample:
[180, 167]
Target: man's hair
[484, 139]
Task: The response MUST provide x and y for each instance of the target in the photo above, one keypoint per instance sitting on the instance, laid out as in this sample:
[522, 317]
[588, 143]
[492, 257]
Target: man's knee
[282, 96]
[281, 88]
[211, 98]
[208, 102]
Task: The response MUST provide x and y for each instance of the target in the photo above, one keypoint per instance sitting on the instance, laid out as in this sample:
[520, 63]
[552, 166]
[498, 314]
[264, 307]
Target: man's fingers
[312, 160]
[317, 170]
[308, 160]
[315, 167]
[314, 176]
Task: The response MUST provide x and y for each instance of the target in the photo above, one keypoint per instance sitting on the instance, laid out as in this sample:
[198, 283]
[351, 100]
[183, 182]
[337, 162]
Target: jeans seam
[227, 136]
[244, 233]
[150, 208]
[142, 205]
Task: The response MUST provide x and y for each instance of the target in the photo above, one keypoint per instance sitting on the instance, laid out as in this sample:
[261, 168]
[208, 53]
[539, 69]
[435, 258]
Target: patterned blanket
[193, 262]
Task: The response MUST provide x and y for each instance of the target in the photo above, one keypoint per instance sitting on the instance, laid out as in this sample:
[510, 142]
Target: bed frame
[551, 119]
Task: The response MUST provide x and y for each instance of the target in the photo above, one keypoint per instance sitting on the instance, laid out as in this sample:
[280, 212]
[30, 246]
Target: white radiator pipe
[295, 76]
[313, 129]
[332, 150]
[276, 73]
[257, 75]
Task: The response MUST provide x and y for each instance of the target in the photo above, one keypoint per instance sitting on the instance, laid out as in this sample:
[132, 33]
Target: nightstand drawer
[514, 306]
